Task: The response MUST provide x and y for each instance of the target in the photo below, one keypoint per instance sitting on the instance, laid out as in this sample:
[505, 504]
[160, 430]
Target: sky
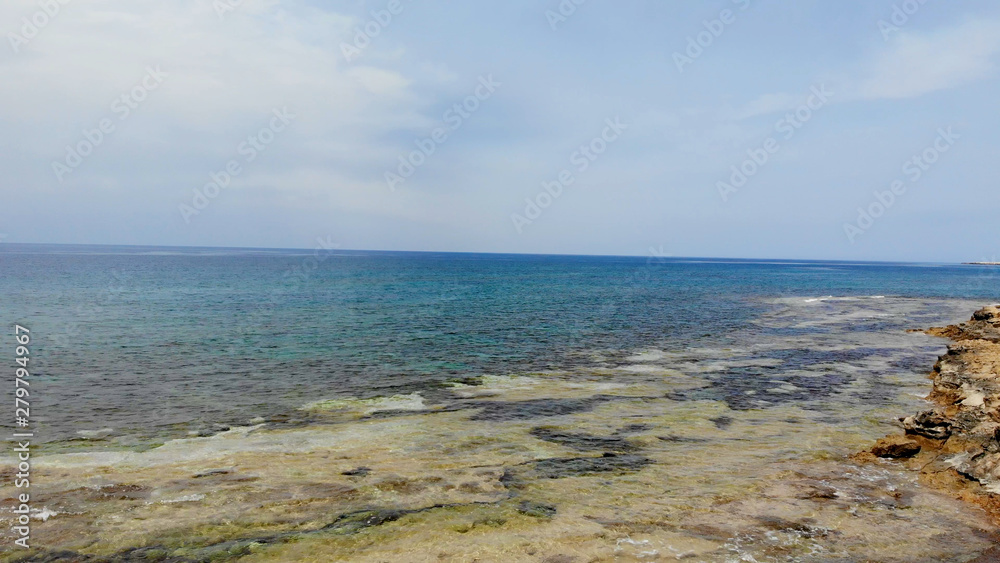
[854, 130]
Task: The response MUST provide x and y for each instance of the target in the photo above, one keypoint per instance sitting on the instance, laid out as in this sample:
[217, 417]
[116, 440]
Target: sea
[710, 372]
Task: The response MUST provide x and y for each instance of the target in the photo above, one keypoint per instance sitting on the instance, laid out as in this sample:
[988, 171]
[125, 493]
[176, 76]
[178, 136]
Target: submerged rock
[536, 509]
[722, 422]
[582, 441]
[558, 468]
[351, 523]
[501, 411]
[211, 473]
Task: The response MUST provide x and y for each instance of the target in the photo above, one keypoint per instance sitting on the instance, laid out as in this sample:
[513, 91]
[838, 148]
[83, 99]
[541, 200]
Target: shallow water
[152, 344]
[716, 431]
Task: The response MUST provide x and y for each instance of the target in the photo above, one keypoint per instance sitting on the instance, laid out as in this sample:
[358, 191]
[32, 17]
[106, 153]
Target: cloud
[224, 77]
[220, 69]
[918, 64]
[914, 64]
[766, 104]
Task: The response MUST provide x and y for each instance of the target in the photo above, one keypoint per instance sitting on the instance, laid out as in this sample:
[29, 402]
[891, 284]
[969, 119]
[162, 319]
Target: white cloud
[913, 65]
[766, 104]
[918, 64]
[219, 69]
[224, 77]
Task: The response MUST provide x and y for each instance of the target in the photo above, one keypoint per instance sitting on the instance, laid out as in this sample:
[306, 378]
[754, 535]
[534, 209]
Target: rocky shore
[955, 446]
[702, 454]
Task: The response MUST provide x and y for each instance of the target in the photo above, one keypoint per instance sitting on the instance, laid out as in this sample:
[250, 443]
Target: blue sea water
[152, 343]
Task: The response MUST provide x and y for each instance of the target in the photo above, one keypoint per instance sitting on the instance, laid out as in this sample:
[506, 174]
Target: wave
[833, 298]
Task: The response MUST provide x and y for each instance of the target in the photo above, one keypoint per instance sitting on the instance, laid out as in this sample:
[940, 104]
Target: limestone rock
[960, 438]
[930, 424]
[895, 447]
[984, 325]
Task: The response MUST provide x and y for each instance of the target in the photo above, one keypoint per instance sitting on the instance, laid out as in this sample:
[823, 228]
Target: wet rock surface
[558, 468]
[583, 441]
[896, 447]
[519, 410]
[956, 445]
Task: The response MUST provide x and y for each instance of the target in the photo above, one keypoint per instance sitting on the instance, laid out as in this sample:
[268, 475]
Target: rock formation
[956, 445]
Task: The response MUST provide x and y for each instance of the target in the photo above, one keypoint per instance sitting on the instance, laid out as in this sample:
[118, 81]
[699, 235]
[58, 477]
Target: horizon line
[488, 253]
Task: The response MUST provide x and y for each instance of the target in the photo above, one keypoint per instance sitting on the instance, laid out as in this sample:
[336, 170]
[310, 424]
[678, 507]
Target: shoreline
[955, 446]
[650, 454]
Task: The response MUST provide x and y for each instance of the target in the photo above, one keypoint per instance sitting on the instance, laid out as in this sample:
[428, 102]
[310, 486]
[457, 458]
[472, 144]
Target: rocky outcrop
[984, 325]
[895, 446]
[956, 445]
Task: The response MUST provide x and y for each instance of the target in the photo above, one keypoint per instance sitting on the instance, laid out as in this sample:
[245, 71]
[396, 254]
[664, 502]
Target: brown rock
[895, 447]
[951, 331]
[931, 424]
[987, 313]
[864, 457]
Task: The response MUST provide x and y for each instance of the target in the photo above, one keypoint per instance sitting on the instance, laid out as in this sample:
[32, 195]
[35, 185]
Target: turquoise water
[139, 344]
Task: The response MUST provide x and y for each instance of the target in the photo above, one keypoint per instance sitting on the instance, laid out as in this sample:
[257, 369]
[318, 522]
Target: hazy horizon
[653, 254]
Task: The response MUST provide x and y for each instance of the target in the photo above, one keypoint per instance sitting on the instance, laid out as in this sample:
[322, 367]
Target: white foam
[826, 298]
[91, 434]
[493, 385]
[642, 368]
[647, 356]
[44, 514]
[186, 498]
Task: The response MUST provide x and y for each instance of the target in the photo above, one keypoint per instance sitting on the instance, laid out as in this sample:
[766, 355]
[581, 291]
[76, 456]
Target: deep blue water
[155, 342]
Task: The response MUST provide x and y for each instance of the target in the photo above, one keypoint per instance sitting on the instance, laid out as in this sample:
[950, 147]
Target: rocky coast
[726, 453]
[955, 446]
